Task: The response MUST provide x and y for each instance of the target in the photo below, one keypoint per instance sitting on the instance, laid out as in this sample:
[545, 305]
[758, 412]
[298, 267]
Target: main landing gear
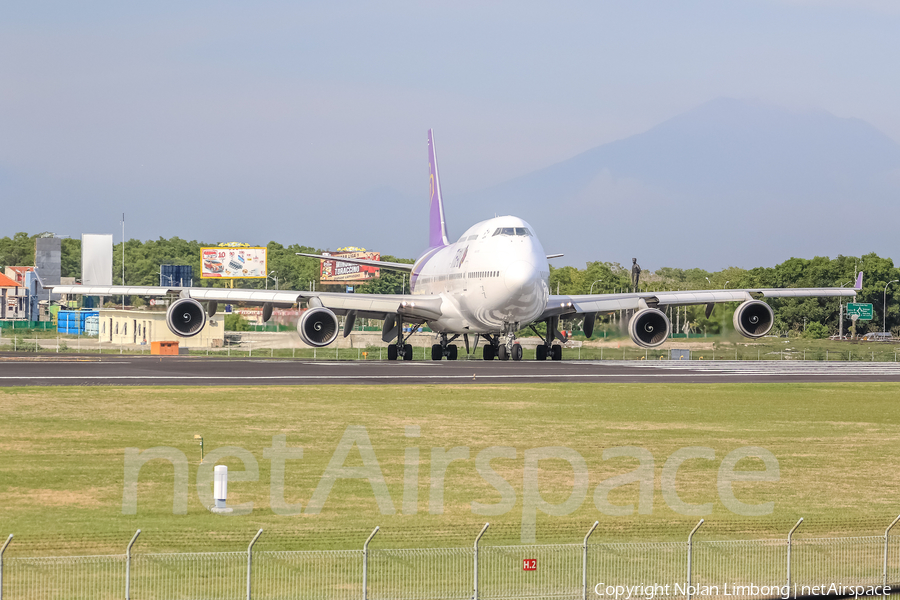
[547, 349]
[403, 351]
[445, 348]
[400, 349]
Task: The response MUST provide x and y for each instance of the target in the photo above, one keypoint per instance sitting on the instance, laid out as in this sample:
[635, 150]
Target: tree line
[814, 317]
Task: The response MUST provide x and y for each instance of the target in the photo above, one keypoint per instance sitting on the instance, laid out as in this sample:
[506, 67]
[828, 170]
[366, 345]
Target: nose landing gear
[514, 353]
[510, 349]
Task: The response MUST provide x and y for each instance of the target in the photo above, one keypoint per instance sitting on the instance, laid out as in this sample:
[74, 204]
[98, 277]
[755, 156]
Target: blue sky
[238, 121]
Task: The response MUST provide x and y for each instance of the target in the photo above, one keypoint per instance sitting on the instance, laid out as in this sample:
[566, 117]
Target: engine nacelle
[649, 327]
[318, 326]
[754, 318]
[186, 317]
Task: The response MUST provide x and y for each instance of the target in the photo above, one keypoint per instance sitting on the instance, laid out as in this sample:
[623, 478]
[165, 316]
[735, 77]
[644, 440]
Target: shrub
[235, 322]
[816, 331]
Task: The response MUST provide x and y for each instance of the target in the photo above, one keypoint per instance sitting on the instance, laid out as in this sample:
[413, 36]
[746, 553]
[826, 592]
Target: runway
[44, 370]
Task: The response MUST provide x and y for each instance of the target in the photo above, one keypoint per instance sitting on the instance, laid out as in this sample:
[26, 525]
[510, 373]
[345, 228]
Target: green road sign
[863, 312]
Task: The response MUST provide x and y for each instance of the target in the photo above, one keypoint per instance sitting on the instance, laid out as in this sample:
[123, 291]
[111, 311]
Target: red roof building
[7, 282]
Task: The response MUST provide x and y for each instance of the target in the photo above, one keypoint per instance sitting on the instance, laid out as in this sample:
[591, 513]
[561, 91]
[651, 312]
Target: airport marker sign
[864, 312]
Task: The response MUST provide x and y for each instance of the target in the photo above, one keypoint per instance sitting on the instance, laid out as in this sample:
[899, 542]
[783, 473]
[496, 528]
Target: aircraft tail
[437, 226]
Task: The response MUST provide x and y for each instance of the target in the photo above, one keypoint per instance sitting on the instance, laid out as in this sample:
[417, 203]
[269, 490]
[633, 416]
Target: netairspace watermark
[744, 590]
[562, 460]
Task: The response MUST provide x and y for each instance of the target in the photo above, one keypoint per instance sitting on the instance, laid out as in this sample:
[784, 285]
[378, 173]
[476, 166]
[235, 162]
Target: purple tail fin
[437, 227]
[858, 285]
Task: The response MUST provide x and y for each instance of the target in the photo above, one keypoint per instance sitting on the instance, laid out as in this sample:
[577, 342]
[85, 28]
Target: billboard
[225, 262]
[96, 259]
[334, 271]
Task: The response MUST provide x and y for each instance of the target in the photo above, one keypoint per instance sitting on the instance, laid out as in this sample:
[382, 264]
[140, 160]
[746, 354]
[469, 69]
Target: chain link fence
[565, 571]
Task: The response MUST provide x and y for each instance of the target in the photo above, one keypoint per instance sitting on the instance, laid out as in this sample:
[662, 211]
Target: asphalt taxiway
[49, 370]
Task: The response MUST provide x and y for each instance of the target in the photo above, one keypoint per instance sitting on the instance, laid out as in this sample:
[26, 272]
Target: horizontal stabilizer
[383, 264]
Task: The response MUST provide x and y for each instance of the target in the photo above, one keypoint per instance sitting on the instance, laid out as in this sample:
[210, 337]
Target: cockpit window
[517, 231]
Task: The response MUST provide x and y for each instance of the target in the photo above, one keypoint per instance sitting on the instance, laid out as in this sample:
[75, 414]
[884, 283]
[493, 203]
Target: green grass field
[62, 456]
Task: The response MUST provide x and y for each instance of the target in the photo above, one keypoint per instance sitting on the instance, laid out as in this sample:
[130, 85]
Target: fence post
[884, 573]
[690, 555]
[128, 565]
[790, 543]
[250, 562]
[366, 563]
[2, 550]
[584, 561]
[478, 539]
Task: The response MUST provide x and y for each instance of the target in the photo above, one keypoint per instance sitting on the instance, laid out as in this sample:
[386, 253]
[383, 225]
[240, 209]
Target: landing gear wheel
[556, 352]
[392, 352]
[452, 352]
[502, 353]
[488, 352]
[437, 352]
[407, 352]
[517, 352]
[541, 352]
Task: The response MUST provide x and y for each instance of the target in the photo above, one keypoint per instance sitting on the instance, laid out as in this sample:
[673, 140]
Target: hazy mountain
[731, 182]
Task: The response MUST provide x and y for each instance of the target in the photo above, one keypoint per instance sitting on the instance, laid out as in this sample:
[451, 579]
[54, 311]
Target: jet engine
[649, 327]
[318, 326]
[186, 317]
[754, 318]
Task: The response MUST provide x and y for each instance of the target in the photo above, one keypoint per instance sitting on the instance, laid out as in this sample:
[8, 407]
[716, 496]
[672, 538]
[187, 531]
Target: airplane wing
[607, 303]
[382, 264]
[415, 309]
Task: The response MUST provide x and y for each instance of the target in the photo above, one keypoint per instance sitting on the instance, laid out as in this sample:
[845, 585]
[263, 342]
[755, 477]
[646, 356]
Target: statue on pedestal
[635, 274]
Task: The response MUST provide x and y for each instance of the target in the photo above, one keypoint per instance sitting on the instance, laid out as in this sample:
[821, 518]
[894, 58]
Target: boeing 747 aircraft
[485, 286]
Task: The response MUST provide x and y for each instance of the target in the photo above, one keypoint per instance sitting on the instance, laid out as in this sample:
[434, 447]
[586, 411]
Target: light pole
[708, 282]
[884, 314]
[725, 286]
[169, 277]
[275, 278]
[841, 315]
[592, 286]
[199, 438]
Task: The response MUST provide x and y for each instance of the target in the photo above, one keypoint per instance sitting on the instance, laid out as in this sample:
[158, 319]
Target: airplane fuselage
[494, 277]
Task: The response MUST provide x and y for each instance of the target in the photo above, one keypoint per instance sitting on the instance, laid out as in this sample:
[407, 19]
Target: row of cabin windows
[471, 275]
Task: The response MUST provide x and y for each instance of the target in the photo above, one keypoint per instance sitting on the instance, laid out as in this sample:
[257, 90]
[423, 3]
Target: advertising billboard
[335, 271]
[225, 262]
[96, 259]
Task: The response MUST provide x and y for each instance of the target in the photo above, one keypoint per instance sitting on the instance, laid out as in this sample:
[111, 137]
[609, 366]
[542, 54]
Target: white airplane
[489, 284]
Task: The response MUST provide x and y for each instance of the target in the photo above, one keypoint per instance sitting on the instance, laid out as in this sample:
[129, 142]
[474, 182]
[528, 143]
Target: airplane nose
[519, 276]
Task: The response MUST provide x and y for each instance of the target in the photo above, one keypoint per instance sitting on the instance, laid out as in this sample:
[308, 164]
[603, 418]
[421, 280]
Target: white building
[140, 327]
[13, 299]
